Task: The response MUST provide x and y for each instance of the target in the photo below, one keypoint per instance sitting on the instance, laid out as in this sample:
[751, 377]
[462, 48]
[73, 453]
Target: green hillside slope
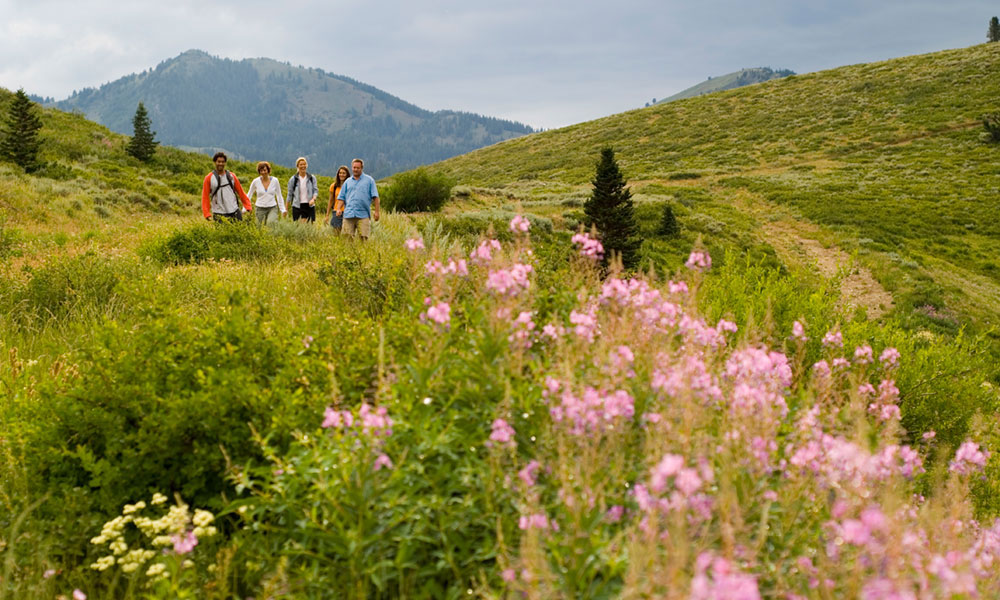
[730, 81]
[276, 111]
[885, 158]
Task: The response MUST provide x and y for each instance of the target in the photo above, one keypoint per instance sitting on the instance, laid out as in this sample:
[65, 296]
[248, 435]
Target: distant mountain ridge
[262, 109]
[730, 81]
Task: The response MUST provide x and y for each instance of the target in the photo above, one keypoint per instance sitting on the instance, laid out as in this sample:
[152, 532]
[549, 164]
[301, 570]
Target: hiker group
[353, 199]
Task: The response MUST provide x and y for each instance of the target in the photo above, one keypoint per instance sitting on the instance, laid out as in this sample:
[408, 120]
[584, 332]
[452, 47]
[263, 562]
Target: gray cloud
[545, 63]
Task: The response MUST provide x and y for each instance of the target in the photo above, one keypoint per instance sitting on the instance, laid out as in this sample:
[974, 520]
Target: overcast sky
[544, 63]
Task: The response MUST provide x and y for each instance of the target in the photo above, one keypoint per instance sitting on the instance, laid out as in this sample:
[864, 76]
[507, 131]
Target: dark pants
[304, 212]
[233, 216]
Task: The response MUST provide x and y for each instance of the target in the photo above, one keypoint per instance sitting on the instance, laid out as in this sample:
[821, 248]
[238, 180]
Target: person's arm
[206, 197]
[253, 190]
[329, 205]
[376, 207]
[277, 195]
[312, 201]
[375, 199]
[242, 195]
[342, 197]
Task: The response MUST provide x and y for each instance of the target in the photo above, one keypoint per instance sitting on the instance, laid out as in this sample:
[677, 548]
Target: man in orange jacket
[221, 193]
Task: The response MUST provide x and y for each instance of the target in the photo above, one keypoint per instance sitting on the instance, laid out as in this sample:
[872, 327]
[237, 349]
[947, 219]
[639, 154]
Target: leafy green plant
[417, 191]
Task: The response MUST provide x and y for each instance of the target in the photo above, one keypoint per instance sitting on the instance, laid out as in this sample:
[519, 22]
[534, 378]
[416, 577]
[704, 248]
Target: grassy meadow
[458, 408]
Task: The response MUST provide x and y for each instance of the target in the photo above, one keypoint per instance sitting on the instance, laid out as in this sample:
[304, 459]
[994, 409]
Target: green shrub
[368, 279]
[70, 284]
[417, 191]
[242, 240]
[159, 406]
[10, 239]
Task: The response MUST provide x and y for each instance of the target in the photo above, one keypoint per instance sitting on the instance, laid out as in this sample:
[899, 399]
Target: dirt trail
[796, 243]
[858, 288]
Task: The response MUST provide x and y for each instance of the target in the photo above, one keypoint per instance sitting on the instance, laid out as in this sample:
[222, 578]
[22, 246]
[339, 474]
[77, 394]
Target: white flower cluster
[162, 533]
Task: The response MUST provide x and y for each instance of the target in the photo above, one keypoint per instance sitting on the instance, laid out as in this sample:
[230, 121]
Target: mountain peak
[266, 109]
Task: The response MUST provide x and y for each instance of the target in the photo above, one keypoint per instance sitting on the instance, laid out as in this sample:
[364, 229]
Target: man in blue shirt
[358, 193]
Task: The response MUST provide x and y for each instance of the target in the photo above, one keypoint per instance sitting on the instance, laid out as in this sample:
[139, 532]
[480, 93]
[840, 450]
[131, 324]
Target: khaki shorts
[362, 227]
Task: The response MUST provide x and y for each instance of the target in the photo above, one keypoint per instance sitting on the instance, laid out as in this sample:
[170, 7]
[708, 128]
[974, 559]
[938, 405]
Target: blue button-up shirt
[357, 195]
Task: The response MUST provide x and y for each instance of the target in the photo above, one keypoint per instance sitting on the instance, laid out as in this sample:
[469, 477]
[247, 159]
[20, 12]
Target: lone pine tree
[611, 212]
[19, 142]
[142, 145]
[993, 33]
[668, 223]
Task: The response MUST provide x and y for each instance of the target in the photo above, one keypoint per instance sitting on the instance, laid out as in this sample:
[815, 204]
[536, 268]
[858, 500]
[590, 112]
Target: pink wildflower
[833, 339]
[502, 433]
[184, 543]
[523, 329]
[439, 313]
[699, 261]
[722, 582]
[484, 252]
[79, 595]
[509, 282]
[381, 461]
[885, 589]
[585, 323]
[414, 244]
[863, 355]
[528, 473]
[520, 223]
[799, 332]
[968, 459]
[535, 521]
[680, 287]
[669, 465]
[889, 357]
[553, 331]
[589, 247]
[333, 418]
[508, 575]
[821, 369]
[615, 513]
[376, 422]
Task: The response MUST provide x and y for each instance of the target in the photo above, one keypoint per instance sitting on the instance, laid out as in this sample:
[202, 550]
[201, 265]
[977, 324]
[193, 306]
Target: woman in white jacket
[268, 191]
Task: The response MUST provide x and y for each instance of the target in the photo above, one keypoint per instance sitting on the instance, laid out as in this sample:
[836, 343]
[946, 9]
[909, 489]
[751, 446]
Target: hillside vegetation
[466, 405]
[885, 158]
[261, 108]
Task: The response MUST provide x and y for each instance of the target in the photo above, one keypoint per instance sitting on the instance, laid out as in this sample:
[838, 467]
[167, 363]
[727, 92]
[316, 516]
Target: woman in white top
[268, 190]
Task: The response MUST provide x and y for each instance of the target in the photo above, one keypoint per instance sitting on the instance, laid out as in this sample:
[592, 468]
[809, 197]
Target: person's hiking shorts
[268, 215]
[233, 216]
[304, 212]
[352, 225]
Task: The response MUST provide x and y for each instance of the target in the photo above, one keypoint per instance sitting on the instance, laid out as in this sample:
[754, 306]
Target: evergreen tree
[142, 145]
[993, 34]
[992, 125]
[610, 210]
[668, 223]
[20, 142]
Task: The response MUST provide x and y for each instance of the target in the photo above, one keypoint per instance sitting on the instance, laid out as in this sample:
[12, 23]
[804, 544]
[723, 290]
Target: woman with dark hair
[268, 190]
[336, 206]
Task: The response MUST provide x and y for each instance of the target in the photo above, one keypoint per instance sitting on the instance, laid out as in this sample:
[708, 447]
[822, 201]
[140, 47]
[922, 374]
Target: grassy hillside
[729, 81]
[885, 158]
